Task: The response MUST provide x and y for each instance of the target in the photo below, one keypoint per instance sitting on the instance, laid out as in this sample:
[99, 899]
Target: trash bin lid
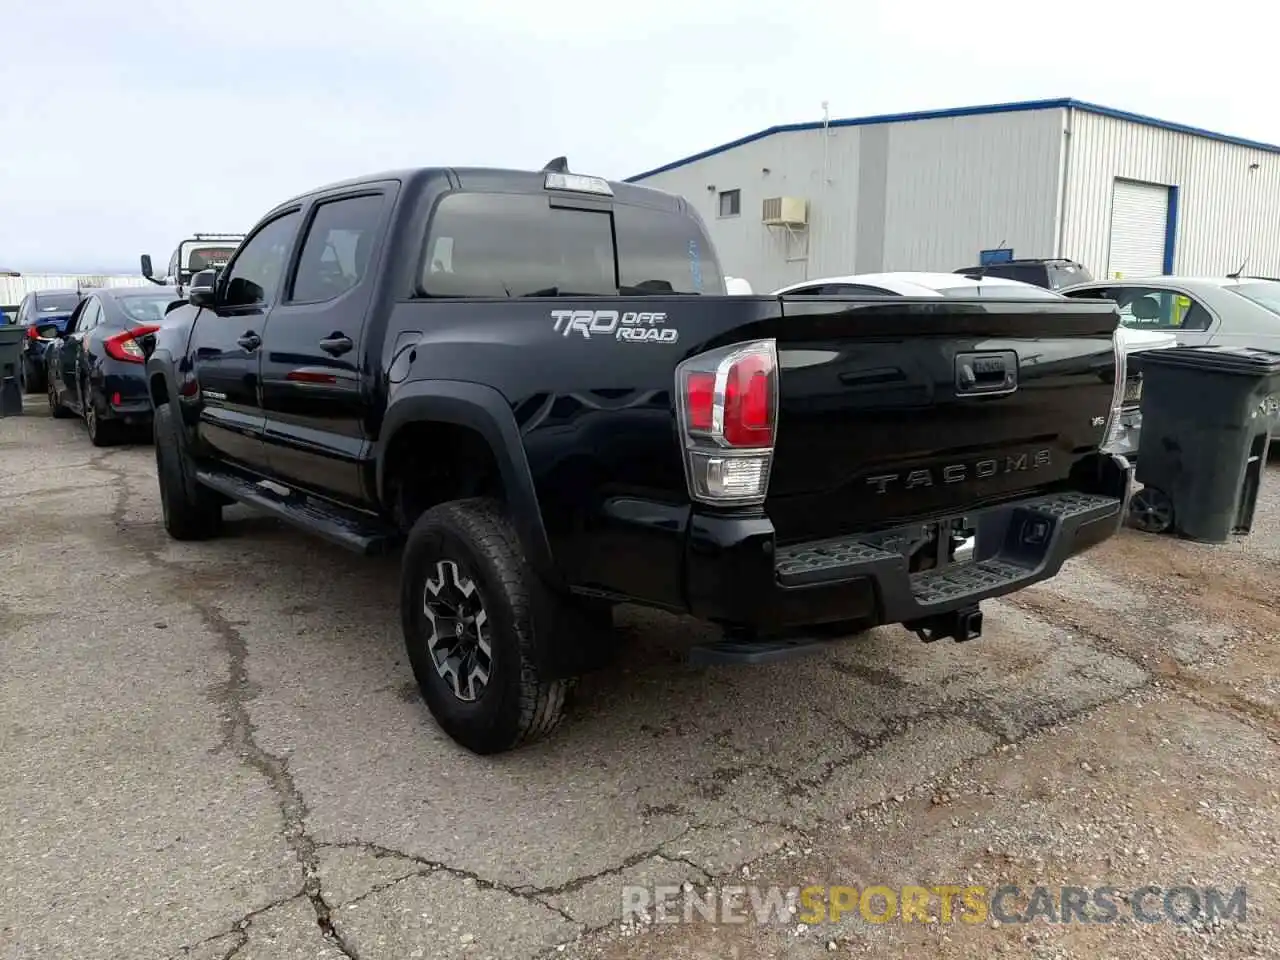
[1248, 361]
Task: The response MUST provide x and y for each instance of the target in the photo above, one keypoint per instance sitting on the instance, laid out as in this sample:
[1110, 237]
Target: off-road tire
[191, 512]
[517, 704]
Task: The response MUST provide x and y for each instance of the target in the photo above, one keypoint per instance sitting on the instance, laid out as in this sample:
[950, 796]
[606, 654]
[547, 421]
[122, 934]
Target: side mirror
[147, 271]
[203, 289]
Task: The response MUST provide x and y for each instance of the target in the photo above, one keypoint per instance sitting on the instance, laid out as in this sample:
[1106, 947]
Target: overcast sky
[124, 128]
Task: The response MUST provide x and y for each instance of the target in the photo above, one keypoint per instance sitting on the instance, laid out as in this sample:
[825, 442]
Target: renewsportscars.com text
[948, 903]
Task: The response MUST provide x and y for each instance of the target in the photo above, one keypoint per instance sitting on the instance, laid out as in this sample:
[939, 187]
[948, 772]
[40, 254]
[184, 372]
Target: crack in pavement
[1164, 669]
[240, 736]
[238, 928]
[427, 867]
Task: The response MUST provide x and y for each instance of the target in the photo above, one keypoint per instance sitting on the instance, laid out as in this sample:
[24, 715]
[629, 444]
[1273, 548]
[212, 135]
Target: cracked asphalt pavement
[217, 750]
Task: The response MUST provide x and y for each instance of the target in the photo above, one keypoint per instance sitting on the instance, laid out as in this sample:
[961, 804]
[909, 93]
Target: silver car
[1199, 311]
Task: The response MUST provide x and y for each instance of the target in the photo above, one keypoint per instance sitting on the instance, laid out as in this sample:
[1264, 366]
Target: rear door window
[1152, 308]
[335, 254]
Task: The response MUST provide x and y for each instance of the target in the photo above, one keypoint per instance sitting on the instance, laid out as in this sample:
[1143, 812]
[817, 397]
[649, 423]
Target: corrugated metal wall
[794, 163]
[13, 289]
[1226, 212]
[960, 185]
[920, 195]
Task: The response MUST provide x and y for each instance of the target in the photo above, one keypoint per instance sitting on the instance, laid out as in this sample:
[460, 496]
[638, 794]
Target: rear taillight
[125, 346]
[727, 403]
[1113, 435]
[32, 334]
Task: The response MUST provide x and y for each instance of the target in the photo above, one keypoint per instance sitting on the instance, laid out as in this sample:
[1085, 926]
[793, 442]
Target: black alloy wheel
[457, 630]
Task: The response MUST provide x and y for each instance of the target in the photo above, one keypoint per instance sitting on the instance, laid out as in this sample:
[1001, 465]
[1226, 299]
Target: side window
[335, 254]
[24, 310]
[95, 312]
[815, 291]
[1151, 308]
[90, 315]
[173, 267]
[255, 274]
[73, 322]
[856, 290]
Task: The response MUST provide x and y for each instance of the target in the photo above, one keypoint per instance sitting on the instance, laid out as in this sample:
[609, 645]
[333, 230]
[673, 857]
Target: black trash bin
[1207, 415]
[11, 340]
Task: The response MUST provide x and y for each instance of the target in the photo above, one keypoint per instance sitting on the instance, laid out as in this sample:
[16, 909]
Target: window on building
[730, 203]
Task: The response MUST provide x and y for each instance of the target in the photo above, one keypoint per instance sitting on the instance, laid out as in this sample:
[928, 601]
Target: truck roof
[497, 179]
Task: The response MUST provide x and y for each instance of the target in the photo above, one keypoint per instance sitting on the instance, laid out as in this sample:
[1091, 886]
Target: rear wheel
[102, 433]
[191, 512]
[470, 607]
[56, 409]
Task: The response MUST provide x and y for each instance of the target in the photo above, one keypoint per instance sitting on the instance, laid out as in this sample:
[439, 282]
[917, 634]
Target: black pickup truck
[536, 384]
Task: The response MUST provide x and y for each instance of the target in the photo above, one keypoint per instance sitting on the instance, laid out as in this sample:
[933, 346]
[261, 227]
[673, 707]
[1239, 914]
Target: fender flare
[161, 362]
[484, 410]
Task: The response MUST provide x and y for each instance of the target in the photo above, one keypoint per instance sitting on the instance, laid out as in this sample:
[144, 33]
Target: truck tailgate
[912, 409]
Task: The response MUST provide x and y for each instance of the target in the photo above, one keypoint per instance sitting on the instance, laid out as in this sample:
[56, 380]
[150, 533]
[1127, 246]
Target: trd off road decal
[631, 326]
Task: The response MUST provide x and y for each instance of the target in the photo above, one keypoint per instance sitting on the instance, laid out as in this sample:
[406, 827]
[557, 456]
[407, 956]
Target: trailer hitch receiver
[959, 625]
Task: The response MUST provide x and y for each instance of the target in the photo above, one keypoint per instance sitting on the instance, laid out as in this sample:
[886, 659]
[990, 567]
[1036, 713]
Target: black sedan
[96, 367]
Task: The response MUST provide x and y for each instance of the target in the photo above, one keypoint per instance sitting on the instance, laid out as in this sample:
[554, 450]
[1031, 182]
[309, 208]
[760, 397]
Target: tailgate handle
[985, 374]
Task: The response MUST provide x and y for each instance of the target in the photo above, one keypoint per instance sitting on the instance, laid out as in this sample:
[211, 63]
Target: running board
[346, 528]
[757, 651]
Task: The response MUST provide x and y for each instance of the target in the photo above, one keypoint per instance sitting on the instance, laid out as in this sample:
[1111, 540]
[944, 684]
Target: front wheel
[191, 512]
[470, 606]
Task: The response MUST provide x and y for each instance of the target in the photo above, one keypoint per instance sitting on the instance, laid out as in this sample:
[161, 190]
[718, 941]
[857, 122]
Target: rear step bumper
[738, 578]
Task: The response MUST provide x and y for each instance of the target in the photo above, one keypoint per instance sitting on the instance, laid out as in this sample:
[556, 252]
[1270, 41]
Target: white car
[919, 284]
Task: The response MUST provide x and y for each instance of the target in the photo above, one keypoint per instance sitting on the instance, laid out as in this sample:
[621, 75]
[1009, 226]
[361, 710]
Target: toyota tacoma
[536, 386]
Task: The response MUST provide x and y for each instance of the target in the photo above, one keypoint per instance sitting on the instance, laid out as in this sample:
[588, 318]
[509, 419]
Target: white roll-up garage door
[1139, 212]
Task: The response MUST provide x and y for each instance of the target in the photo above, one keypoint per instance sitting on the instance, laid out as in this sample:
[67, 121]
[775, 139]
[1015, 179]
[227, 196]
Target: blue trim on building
[1019, 107]
[1171, 231]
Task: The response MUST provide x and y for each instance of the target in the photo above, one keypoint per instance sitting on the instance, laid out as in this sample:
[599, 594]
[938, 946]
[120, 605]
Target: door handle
[336, 344]
[250, 340]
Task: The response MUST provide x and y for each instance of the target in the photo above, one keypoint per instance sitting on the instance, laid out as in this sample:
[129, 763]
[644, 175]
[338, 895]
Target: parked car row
[84, 349]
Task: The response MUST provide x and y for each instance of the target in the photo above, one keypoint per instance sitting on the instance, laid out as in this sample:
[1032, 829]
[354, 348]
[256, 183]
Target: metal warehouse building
[1126, 195]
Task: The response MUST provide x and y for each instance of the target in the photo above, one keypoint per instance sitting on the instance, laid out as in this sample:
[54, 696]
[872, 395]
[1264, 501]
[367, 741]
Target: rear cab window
[523, 245]
[1265, 293]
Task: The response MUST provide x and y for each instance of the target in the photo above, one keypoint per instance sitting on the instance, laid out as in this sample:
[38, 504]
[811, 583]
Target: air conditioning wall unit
[785, 211]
